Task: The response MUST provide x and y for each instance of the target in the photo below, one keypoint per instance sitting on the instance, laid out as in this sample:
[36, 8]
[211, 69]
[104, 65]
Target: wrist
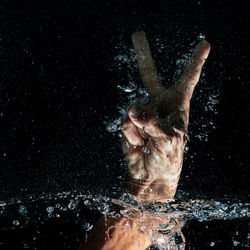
[149, 191]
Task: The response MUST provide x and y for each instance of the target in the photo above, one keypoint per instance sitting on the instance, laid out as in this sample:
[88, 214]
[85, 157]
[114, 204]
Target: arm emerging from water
[153, 141]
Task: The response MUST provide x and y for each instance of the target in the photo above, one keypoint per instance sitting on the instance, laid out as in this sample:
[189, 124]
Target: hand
[155, 134]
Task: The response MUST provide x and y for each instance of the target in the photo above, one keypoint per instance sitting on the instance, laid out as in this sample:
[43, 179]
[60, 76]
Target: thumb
[141, 115]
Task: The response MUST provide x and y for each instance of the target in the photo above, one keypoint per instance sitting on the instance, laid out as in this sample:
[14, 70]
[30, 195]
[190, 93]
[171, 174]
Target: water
[36, 210]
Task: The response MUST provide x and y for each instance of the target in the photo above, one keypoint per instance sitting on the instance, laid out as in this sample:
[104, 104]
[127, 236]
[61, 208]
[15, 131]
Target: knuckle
[126, 125]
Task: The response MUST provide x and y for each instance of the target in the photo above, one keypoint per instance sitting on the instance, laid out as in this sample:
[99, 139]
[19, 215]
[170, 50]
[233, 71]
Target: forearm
[128, 234]
[118, 234]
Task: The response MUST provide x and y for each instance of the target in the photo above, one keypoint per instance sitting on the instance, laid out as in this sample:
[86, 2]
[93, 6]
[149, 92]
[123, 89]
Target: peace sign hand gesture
[155, 134]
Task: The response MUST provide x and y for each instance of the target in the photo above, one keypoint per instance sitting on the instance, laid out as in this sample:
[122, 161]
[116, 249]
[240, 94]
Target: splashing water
[201, 210]
[166, 233]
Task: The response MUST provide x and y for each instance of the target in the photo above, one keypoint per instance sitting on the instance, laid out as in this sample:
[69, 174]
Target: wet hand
[155, 134]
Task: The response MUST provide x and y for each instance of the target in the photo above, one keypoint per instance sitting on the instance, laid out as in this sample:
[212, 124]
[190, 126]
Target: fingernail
[133, 117]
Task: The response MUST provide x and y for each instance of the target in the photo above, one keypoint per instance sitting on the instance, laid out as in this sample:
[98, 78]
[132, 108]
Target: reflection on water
[164, 219]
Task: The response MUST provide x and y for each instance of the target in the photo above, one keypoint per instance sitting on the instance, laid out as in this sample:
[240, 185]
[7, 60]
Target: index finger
[146, 65]
[191, 73]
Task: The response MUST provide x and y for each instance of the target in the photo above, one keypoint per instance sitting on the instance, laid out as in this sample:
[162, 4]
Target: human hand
[155, 134]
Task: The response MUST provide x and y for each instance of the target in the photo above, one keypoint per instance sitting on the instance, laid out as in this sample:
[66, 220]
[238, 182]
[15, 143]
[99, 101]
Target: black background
[58, 83]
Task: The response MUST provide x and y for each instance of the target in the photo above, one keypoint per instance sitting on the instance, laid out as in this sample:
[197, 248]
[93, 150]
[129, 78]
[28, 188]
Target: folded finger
[131, 133]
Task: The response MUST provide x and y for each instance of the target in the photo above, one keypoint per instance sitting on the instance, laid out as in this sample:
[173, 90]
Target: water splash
[201, 210]
[167, 216]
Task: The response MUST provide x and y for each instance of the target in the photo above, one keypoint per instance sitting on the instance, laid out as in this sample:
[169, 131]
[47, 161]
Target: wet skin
[153, 142]
[156, 133]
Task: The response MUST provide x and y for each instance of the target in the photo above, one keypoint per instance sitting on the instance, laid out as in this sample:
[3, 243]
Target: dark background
[58, 83]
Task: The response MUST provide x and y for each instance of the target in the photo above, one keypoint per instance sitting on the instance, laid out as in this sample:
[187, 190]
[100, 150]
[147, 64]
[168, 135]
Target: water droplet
[161, 240]
[3, 203]
[25, 246]
[125, 145]
[127, 224]
[50, 209]
[170, 140]
[87, 226]
[22, 210]
[201, 36]
[16, 222]
[72, 205]
[87, 202]
[125, 212]
[145, 150]
[236, 243]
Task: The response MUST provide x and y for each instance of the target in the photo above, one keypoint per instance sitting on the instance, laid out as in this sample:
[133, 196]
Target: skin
[153, 142]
